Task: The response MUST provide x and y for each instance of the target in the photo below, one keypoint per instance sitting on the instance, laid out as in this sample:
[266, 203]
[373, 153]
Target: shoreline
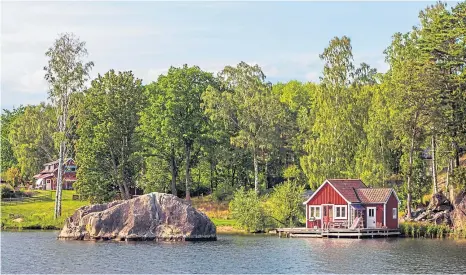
[229, 230]
[220, 229]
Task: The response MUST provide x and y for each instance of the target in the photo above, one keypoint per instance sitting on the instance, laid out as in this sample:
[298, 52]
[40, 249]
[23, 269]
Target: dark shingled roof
[347, 187]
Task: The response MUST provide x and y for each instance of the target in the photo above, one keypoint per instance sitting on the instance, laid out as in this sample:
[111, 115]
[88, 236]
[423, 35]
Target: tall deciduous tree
[245, 103]
[174, 117]
[66, 73]
[7, 158]
[107, 123]
[337, 130]
[31, 138]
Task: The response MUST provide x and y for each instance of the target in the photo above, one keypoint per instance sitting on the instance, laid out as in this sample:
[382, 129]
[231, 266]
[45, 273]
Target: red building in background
[349, 203]
[47, 178]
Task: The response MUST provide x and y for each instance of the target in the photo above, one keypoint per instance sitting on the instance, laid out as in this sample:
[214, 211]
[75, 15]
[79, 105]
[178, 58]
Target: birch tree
[66, 73]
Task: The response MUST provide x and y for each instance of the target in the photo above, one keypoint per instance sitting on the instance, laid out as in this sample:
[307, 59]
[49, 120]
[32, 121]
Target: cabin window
[314, 212]
[340, 212]
[47, 180]
[394, 213]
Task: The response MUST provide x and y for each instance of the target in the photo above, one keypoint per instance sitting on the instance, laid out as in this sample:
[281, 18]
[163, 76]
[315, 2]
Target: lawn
[38, 215]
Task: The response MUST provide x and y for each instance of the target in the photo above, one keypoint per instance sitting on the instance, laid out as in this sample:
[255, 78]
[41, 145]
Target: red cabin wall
[392, 203]
[378, 214]
[326, 195]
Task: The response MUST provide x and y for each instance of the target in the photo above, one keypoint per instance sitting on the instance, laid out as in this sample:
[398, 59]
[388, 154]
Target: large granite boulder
[154, 216]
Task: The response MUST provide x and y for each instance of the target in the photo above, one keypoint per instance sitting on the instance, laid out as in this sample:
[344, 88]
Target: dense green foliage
[31, 136]
[246, 209]
[192, 132]
[284, 206]
[108, 120]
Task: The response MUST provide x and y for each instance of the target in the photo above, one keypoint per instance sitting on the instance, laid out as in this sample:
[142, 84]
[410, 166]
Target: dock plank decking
[302, 232]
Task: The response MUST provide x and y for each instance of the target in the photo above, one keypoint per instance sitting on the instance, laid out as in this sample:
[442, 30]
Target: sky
[284, 38]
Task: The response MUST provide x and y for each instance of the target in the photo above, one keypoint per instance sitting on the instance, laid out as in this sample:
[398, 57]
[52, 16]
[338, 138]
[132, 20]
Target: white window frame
[394, 213]
[315, 207]
[343, 208]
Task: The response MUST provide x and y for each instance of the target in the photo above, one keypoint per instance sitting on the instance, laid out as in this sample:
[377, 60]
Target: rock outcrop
[458, 215]
[154, 216]
[438, 211]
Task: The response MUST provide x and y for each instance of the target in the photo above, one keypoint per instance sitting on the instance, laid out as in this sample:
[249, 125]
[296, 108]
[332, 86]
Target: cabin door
[327, 215]
[371, 217]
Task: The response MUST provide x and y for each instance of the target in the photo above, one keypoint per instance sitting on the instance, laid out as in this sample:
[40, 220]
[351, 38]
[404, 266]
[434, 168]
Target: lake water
[41, 252]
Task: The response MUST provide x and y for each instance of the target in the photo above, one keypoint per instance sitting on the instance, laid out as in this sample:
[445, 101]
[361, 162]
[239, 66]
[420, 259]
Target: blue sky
[285, 38]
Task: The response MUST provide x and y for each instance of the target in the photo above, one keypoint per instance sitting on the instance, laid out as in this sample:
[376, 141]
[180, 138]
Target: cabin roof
[355, 191]
[346, 188]
[373, 195]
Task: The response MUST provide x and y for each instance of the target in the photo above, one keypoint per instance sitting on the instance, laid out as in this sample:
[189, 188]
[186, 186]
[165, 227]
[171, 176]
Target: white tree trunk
[58, 194]
[434, 165]
[256, 173]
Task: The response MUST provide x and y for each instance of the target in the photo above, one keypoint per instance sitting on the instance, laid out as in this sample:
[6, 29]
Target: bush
[246, 209]
[7, 191]
[223, 193]
[285, 204]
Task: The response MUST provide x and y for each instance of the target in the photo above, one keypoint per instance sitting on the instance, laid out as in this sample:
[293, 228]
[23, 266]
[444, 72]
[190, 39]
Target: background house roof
[373, 195]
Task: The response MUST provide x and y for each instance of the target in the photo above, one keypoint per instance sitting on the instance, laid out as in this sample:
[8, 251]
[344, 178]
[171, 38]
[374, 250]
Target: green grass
[223, 222]
[38, 215]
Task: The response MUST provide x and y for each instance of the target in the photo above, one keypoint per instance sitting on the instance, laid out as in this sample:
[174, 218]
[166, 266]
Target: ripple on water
[38, 251]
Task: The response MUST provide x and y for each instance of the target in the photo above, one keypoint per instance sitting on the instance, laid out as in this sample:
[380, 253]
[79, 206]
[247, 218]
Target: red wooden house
[349, 203]
[47, 178]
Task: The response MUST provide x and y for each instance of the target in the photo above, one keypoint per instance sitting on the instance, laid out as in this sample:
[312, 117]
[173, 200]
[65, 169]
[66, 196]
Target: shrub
[246, 209]
[222, 193]
[7, 191]
[285, 204]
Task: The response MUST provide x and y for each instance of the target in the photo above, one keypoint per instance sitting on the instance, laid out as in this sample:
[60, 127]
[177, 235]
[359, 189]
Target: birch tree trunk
[410, 169]
[434, 165]
[256, 172]
[58, 194]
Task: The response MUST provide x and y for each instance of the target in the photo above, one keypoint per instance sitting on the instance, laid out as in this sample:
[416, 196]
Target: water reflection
[231, 254]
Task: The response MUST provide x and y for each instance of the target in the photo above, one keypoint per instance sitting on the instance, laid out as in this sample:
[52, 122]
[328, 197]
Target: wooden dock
[302, 232]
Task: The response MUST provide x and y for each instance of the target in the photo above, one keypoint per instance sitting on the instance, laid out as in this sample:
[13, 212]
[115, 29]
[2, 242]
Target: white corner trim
[394, 193]
[385, 214]
[320, 187]
[317, 191]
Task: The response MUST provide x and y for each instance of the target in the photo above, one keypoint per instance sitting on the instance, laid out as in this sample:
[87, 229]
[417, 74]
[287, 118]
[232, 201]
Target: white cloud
[153, 74]
[33, 82]
[313, 76]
